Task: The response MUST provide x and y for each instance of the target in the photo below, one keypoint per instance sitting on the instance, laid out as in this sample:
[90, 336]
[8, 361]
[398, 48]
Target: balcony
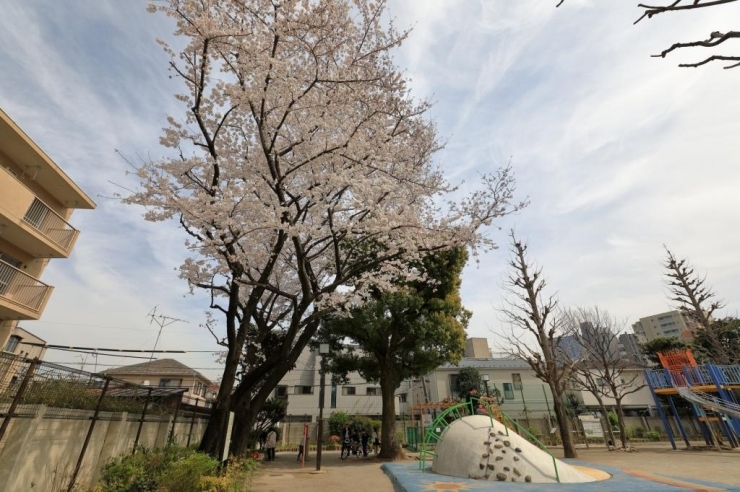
[50, 224]
[21, 295]
[30, 224]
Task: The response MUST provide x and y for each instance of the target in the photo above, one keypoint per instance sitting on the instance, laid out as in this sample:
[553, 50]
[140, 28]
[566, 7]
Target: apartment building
[668, 324]
[36, 202]
[301, 388]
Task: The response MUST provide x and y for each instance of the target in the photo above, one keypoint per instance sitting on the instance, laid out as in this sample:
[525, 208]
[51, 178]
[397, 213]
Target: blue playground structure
[712, 390]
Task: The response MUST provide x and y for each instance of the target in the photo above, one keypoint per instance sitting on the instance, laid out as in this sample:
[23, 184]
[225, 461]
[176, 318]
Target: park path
[286, 475]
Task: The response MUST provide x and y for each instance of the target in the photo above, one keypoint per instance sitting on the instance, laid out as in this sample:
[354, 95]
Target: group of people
[358, 443]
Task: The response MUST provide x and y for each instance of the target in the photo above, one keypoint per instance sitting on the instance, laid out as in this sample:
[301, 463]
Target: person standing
[270, 444]
[303, 448]
[364, 438]
[376, 443]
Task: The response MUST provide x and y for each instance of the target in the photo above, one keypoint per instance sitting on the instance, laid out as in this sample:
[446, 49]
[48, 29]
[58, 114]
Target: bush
[172, 469]
[184, 475]
[337, 421]
[652, 435]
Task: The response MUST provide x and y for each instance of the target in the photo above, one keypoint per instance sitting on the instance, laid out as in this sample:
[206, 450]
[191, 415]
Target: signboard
[227, 440]
[426, 420]
[591, 426]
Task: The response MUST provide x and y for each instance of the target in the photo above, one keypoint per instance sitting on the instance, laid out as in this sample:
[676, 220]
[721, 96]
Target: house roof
[159, 367]
[487, 364]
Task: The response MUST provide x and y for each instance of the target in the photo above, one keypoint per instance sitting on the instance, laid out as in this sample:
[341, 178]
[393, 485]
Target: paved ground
[657, 461]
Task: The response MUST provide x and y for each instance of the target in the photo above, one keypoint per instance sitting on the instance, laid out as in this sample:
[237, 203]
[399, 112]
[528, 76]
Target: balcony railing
[21, 288]
[50, 224]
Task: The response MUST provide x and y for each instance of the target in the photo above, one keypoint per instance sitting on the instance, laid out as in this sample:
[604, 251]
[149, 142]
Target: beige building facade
[168, 373]
[36, 202]
[668, 324]
[25, 344]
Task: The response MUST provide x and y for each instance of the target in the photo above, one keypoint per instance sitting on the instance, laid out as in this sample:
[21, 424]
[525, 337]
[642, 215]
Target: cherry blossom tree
[304, 167]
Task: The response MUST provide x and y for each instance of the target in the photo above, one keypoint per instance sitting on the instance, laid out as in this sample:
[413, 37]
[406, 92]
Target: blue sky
[618, 152]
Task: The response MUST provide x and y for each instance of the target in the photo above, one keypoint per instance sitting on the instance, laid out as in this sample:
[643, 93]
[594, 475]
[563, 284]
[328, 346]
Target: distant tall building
[477, 348]
[36, 202]
[670, 324]
[629, 347]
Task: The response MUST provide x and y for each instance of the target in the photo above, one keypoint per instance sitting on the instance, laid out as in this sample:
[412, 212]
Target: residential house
[167, 373]
[36, 202]
[25, 344]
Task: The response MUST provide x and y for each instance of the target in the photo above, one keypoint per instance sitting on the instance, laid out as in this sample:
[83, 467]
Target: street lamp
[323, 350]
[485, 378]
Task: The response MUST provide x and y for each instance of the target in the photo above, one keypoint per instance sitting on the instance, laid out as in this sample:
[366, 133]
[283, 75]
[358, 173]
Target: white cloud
[618, 151]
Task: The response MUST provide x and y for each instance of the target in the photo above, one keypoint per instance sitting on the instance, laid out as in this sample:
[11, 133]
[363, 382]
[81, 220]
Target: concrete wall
[42, 452]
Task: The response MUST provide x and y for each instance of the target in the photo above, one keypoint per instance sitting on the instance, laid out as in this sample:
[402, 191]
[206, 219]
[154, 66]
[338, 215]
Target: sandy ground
[286, 475]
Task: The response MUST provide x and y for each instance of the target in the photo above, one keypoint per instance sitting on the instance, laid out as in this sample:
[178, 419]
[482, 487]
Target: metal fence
[67, 393]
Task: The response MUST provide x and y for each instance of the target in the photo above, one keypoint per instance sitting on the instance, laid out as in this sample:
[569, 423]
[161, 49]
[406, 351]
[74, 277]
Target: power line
[99, 349]
[114, 327]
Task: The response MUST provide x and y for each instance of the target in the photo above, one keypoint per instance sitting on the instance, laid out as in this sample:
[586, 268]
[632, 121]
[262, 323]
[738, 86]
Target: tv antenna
[162, 321]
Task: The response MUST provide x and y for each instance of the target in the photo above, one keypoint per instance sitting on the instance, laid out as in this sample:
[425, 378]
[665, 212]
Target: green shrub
[184, 475]
[652, 435]
[173, 469]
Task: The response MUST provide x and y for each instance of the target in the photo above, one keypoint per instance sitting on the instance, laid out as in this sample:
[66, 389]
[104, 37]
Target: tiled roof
[159, 367]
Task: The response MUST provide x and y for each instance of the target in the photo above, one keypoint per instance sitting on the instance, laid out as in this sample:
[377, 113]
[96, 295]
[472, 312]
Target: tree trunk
[620, 422]
[569, 451]
[244, 417]
[212, 442]
[605, 414]
[390, 448]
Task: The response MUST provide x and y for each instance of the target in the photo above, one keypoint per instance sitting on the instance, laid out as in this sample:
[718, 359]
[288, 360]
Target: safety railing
[20, 288]
[731, 374]
[50, 224]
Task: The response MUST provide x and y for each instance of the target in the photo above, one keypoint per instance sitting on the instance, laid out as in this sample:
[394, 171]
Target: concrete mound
[471, 448]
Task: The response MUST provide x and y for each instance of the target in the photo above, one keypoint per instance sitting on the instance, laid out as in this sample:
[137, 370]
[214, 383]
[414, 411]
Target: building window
[508, 391]
[453, 384]
[297, 418]
[402, 398]
[281, 392]
[199, 389]
[170, 383]
[12, 344]
[516, 378]
[349, 390]
[600, 382]
[303, 390]
[373, 391]
[333, 402]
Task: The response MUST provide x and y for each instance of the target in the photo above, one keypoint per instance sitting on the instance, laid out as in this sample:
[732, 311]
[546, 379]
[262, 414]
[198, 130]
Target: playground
[476, 446]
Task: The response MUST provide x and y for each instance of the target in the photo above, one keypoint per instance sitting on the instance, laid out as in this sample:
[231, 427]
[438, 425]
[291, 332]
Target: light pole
[323, 350]
[485, 378]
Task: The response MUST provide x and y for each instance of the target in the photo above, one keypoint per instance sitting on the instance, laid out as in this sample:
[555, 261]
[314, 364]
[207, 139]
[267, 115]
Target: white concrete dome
[471, 447]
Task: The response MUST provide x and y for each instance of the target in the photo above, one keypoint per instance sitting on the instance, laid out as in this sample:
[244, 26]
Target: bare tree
[532, 314]
[600, 368]
[695, 302]
[715, 38]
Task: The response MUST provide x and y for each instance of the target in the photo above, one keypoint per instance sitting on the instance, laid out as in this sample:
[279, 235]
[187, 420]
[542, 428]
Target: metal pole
[192, 423]
[320, 438]
[141, 420]
[524, 405]
[485, 382]
[174, 419]
[18, 395]
[88, 436]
